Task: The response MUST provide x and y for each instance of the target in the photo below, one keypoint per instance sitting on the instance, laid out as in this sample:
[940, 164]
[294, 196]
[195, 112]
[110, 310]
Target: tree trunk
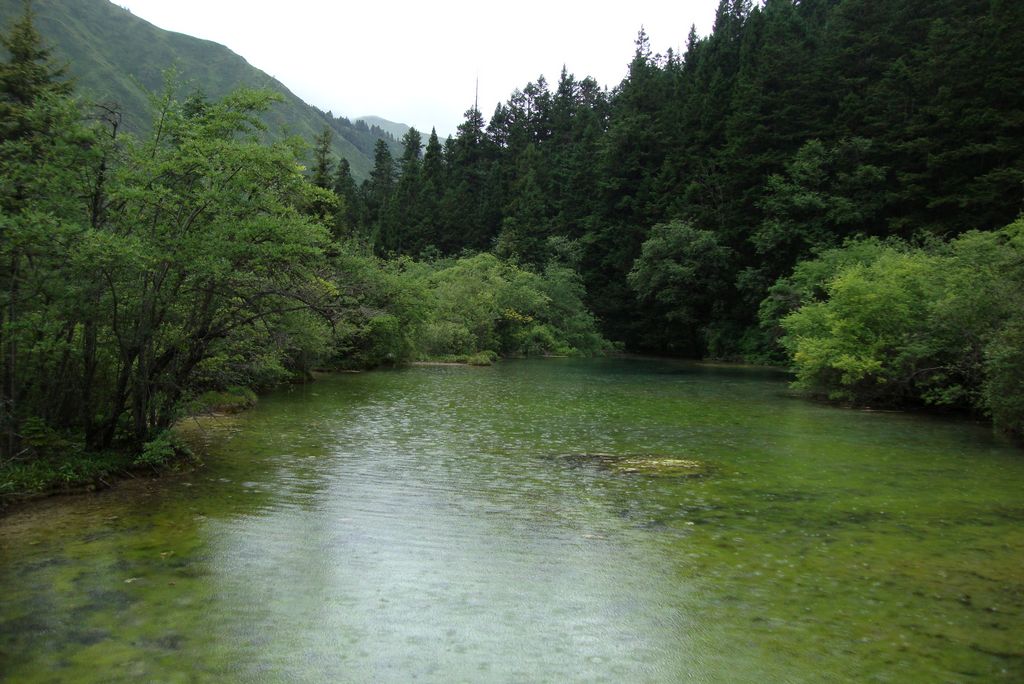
[88, 379]
[8, 382]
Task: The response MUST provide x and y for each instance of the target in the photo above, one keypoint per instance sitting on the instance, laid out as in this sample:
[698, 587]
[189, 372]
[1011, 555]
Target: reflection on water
[520, 523]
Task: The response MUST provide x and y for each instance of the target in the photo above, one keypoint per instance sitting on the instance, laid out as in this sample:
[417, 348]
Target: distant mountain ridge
[117, 57]
[396, 129]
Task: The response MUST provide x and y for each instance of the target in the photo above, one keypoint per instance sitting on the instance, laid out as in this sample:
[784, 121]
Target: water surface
[478, 524]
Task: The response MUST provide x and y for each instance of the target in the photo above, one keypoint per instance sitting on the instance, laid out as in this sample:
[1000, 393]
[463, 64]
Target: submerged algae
[413, 524]
[642, 464]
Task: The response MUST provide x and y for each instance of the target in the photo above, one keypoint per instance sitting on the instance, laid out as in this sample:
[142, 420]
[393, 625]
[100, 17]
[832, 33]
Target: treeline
[362, 136]
[140, 273]
[684, 195]
[790, 128]
[826, 183]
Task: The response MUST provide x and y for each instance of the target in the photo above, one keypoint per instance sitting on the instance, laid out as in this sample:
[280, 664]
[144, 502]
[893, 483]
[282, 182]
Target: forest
[834, 186]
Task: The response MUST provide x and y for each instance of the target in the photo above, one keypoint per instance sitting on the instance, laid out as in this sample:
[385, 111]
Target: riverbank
[484, 358]
[65, 470]
[79, 473]
[59, 466]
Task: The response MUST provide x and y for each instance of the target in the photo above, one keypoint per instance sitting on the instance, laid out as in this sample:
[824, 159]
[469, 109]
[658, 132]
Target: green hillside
[394, 128]
[116, 57]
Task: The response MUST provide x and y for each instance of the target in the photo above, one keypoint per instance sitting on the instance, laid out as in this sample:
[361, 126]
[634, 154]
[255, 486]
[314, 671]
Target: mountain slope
[394, 128]
[117, 57]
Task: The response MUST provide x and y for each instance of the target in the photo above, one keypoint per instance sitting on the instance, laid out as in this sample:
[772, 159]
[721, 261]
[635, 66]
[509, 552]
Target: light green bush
[941, 324]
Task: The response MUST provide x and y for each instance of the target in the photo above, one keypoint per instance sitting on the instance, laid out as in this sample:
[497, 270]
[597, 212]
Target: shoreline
[124, 470]
[191, 430]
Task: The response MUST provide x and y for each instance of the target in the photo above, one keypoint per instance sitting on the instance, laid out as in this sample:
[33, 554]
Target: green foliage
[895, 324]
[136, 273]
[790, 128]
[161, 451]
[381, 309]
[67, 471]
[225, 254]
[442, 339]
[1003, 395]
[56, 463]
[395, 311]
[807, 284]
[576, 326]
[683, 271]
[485, 358]
[863, 342]
[42, 441]
[480, 299]
[825, 195]
[482, 303]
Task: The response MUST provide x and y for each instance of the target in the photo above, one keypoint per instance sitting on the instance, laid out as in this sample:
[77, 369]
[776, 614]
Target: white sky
[417, 62]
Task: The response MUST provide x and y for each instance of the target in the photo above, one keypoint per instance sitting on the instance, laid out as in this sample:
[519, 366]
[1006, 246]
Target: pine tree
[399, 232]
[348, 222]
[29, 76]
[775, 107]
[632, 152]
[525, 228]
[470, 218]
[322, 172]
[579, 112]
[377, 193]
[432, 190]
[323, 206]
[41, 143]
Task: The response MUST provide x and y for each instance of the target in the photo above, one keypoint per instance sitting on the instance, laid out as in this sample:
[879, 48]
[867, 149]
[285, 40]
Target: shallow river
[614, 520]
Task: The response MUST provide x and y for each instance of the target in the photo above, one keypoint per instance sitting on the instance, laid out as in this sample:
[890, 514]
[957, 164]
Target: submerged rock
[659, 465]
[643, 464]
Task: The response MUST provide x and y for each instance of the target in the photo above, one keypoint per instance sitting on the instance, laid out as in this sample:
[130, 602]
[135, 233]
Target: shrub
[1004, 378]
[161, 451]
[483, 303]
[940, 324]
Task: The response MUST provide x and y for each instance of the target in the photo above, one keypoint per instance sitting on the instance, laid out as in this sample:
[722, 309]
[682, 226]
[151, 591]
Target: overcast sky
[417, 62]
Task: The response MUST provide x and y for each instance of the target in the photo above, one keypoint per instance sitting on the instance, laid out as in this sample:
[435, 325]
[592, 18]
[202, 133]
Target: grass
[77, 470]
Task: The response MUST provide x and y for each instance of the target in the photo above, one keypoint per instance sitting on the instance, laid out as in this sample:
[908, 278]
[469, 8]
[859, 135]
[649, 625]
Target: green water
[476, 524]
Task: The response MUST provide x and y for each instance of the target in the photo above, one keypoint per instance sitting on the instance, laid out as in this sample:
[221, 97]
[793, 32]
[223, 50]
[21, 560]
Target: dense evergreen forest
[839, 132]
[831, 184]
